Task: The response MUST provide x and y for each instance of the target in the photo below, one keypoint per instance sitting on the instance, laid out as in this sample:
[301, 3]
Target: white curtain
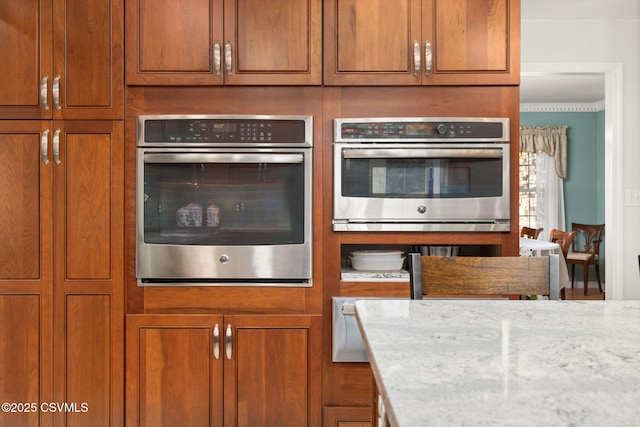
[550, 145]
[550, 196]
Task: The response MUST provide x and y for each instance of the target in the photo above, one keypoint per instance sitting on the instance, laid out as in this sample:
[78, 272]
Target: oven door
[421, 187]
[224, 217]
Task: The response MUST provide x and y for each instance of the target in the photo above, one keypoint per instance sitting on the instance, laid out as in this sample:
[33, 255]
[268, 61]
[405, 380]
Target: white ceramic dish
[377, 260]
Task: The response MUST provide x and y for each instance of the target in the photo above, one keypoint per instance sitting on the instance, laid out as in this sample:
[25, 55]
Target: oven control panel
[173, 130]
[421, 129]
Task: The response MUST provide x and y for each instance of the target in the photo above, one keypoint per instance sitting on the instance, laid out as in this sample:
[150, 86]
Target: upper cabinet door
[273, 42]
[372, 42]
[88, 77]
[65, 59]
[26, 189]
[422, 42]
[27, 60]
[256, 42]
[471, 42]
[174, 42]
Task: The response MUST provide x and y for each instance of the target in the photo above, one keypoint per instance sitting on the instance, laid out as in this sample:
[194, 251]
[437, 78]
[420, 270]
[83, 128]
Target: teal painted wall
[584, 185]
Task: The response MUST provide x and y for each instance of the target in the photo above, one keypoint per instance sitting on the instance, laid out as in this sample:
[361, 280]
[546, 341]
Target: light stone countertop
[348, 273]
[505, 363]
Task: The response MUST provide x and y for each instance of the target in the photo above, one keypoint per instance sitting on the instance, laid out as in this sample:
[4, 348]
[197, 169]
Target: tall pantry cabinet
[61, 212]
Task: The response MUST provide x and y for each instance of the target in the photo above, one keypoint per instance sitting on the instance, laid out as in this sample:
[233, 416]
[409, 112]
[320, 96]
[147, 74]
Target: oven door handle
[287, 158]
[421, 153]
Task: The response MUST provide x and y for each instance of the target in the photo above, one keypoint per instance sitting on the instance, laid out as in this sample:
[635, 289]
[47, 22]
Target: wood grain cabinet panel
[422, 42]
[86, 367]
[66, 59]
[236, 370]
[273, 43]
[24, 357]
[26, 198]
[370, 42]
[230, 42]
[173, 376]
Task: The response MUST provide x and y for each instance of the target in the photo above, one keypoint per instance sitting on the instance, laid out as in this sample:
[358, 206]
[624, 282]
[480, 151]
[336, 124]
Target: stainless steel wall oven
[421, 174]
[224, 200]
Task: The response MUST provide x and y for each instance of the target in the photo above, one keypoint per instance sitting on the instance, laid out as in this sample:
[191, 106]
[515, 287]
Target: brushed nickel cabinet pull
[56, 146]
[227, 344]
[416, 58]
[216, 342]
[44, 96]
[227, 58]
[44, 147]
[428, 58]
[56, 92]
[217, 64]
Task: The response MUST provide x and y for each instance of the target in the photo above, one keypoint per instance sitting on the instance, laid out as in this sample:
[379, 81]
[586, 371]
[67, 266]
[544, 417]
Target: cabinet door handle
[44, 95]
[216, 342]
[44, 147]
[428, 58]
[227, 58]
[217, 58]
[416, 58]
[56, 92]
[227, 342]
[56, 146]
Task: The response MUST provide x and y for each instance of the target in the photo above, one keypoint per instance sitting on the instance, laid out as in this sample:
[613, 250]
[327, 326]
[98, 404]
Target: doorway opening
[612, 157]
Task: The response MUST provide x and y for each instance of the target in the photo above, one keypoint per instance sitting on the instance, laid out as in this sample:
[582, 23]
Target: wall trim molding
[560, 107]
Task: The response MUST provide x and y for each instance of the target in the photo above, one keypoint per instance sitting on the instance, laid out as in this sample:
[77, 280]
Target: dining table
[535, 247]
[467, 362]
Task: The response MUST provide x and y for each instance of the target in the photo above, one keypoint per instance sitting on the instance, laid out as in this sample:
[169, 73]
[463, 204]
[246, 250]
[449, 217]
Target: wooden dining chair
[484, 276]
[585, 251]
[530, 233]
[562, 238]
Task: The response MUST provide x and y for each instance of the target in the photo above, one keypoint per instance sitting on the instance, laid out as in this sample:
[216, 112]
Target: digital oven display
[218, 131]
[421, 130]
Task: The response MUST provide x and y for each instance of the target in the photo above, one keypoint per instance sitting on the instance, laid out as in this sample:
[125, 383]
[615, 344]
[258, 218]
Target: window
[528, 197]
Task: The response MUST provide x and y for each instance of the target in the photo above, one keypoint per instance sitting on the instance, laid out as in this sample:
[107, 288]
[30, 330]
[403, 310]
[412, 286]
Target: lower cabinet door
[207, 370]
[88, 374]
[272, 377]
[174, 371]
[25, 358]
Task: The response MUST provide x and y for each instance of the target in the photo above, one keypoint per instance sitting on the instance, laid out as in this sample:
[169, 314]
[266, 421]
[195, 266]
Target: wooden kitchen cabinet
[231, 42]
[460, 42]
[215, 370]
[61, 270]
[62, 59]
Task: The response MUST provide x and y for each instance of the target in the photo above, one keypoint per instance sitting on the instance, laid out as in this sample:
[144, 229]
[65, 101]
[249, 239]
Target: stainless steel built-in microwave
[421, 174]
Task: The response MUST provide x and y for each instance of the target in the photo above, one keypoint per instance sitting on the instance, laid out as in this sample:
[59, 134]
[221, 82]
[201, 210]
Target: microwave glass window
[423, 178]
[223, 203]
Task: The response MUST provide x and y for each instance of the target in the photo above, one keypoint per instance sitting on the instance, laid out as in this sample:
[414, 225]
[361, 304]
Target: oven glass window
[422, 178]
[224, 203]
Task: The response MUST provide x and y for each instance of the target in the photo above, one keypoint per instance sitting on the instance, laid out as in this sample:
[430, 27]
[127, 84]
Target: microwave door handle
[417, 153]
[199, 158]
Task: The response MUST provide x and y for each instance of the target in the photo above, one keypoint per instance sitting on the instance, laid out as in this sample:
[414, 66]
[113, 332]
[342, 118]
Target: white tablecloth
[534, 247]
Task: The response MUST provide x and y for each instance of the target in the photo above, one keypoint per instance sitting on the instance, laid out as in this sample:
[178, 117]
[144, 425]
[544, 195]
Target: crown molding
[562, 107]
